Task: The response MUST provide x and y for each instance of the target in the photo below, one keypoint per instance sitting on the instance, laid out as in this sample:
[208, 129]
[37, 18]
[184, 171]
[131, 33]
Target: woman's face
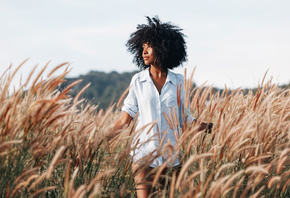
[148, 55]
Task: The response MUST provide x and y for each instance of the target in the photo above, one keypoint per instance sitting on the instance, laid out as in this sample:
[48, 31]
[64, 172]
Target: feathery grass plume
[43, 190]
[24, 184]
[273, 180]
[96, 190]
[56, 68]
[53, 161]
[281, 163]
[30, 75]
[80, 192]
[187, 164]
[217, 186]
[28, 172]
[33, 86]
[37, 181]
[122, 97]
[159, 171]
[238, 186]
[286, 185]
[225, 166]
[230, 181]
[257, 193]
[169, 121]
[9, 79]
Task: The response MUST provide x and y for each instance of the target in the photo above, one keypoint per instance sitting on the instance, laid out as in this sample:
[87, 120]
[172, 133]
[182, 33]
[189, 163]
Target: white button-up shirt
[143, 98]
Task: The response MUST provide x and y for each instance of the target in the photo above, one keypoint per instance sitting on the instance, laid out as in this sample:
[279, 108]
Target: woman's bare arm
[123, 121]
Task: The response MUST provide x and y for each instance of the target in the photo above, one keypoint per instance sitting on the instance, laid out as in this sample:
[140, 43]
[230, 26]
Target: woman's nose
[145, 50]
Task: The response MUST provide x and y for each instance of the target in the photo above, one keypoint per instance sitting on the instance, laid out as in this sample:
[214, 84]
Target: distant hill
[107, 88]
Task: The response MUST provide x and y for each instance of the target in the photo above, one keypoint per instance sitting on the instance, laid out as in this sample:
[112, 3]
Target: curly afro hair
[166, 39]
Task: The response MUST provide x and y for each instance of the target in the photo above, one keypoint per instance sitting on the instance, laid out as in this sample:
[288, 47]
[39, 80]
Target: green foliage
[105, 88]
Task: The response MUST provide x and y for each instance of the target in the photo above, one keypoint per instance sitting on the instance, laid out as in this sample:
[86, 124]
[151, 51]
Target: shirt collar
[171, 77]
[145, 76]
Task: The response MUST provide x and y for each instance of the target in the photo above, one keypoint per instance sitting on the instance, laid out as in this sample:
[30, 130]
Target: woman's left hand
[205, 126]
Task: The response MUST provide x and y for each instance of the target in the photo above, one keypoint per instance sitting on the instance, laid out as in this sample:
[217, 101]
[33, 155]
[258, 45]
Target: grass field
[52, 145]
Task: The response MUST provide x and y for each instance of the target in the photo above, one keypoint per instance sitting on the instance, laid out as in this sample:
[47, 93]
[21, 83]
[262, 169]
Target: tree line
[106, 88]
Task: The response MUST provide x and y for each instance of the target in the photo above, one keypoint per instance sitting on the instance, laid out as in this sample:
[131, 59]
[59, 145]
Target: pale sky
[230, 42]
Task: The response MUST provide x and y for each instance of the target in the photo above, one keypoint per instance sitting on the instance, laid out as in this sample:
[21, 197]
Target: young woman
[157, 47]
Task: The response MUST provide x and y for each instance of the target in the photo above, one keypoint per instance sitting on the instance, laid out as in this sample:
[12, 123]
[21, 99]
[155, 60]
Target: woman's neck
[157, 72]
[158, 77]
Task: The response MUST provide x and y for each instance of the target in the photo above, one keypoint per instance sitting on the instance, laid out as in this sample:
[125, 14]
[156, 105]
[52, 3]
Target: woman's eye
[146, 46]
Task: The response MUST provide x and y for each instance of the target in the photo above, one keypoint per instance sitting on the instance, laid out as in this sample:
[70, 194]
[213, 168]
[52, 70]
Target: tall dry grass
[54, 145]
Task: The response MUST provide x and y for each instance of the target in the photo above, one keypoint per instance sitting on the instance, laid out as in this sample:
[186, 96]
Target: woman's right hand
[122, 122]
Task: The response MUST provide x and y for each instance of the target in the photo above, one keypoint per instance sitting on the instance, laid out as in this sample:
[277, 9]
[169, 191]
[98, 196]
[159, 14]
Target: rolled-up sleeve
[130, 102]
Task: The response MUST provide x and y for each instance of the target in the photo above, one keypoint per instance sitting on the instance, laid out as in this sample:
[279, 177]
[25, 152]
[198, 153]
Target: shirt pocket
[171, 102]
[170, 98]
